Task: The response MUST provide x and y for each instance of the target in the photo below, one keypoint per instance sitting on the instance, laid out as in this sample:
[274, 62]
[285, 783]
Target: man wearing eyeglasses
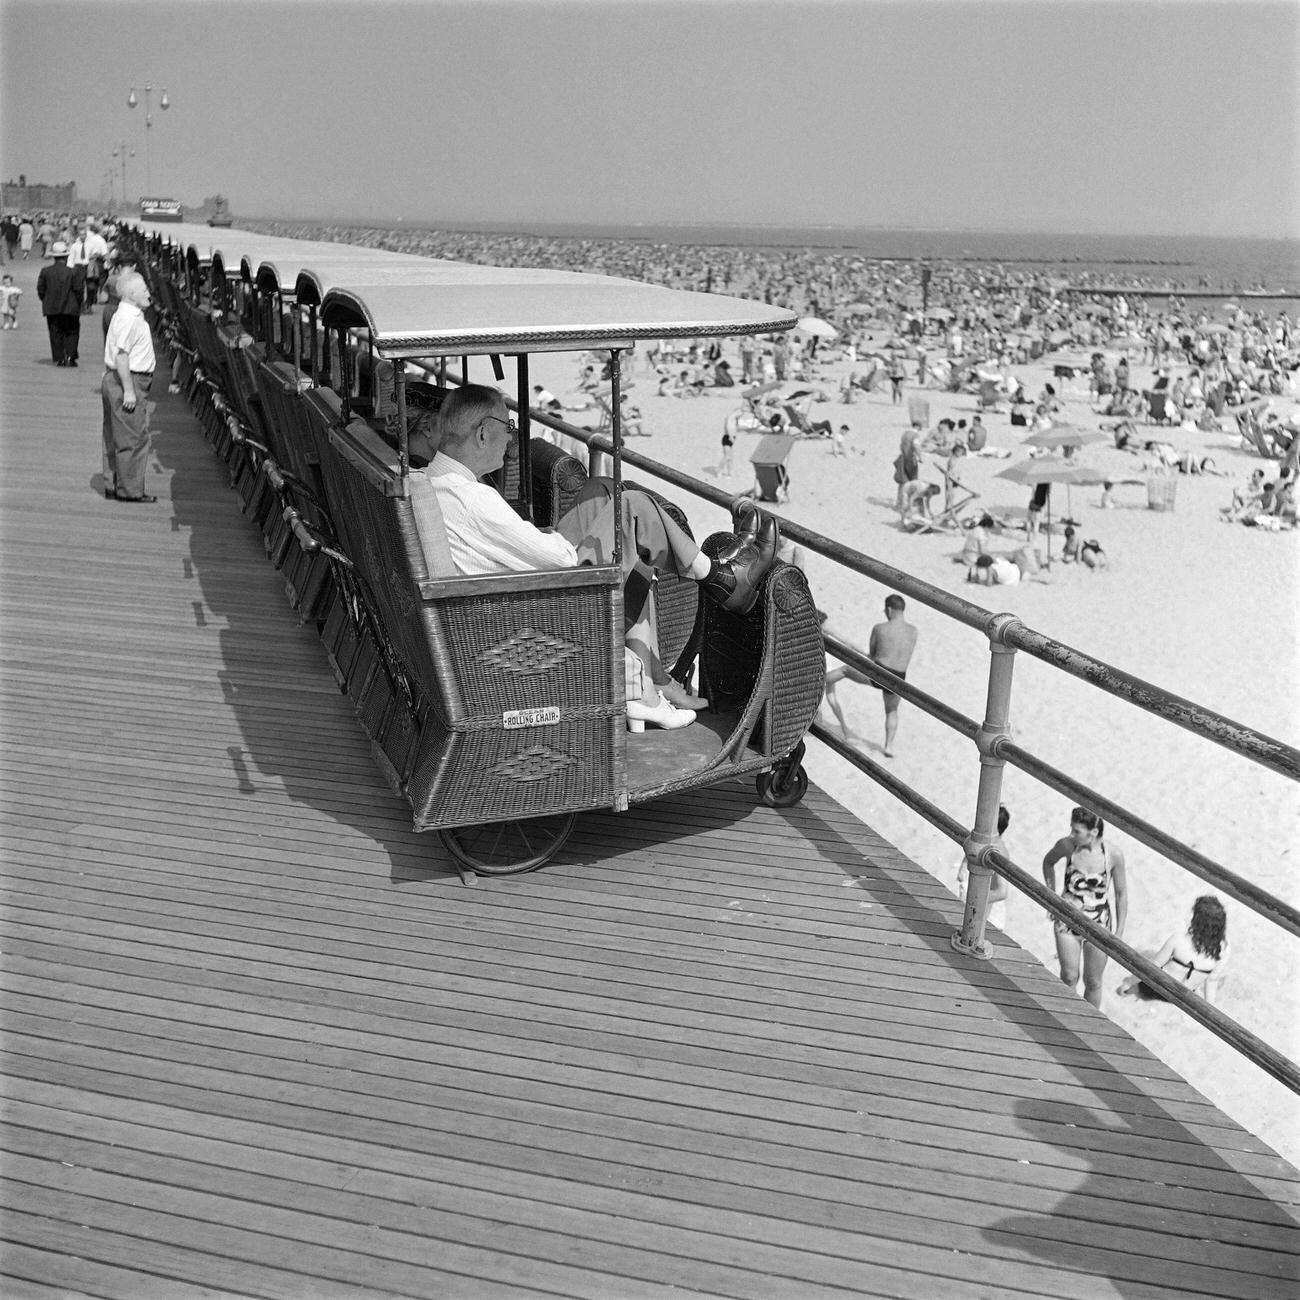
[486, 536]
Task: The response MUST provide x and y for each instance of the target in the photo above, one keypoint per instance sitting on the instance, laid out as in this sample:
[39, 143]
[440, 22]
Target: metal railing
[1006, 635]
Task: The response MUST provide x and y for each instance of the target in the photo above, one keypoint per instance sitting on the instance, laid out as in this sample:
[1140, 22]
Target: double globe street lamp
[164, 103]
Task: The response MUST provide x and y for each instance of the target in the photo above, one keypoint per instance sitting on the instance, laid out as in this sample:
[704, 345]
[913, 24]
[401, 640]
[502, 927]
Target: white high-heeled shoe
[662, 715]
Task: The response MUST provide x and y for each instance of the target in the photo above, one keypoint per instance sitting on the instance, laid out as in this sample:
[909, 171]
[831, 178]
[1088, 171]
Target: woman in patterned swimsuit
[1093, 870]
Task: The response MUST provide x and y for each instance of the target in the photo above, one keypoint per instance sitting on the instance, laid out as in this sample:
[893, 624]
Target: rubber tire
[782, 796]
[510, 847]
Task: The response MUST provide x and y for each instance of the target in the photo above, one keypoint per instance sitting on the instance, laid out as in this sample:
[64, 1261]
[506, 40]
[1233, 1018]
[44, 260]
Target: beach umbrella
[1033, 472]
[814, 325]
[1060, 436]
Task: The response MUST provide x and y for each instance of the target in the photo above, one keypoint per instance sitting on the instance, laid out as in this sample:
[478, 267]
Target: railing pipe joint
[999, 627]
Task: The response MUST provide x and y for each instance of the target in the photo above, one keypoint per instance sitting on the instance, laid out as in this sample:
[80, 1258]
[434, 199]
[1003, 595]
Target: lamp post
[164, 103]
[122, 152]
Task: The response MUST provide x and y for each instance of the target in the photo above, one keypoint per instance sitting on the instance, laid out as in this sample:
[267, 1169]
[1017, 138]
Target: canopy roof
[536, 312]
[421, 306]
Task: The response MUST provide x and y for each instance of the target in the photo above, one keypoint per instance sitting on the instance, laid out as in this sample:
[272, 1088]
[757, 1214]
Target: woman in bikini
[1093, 872]
[1194, 958]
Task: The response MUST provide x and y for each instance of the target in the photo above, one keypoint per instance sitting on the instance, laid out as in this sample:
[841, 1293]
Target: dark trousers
[126, 435]
[65, 337]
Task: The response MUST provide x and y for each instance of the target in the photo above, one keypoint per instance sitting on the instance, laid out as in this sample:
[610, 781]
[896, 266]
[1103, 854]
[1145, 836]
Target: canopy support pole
[403, 437]
[616, 432]
[522, 392]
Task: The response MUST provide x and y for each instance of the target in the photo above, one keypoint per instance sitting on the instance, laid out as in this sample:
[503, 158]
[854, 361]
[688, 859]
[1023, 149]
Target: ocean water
[1227, 264]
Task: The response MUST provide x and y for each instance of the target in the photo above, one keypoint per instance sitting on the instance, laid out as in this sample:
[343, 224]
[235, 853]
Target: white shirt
[484, 534]
[128, 332]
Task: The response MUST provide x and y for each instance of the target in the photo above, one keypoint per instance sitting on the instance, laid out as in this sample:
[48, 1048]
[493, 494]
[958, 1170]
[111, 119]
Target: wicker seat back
[297, 442]
[780, 636]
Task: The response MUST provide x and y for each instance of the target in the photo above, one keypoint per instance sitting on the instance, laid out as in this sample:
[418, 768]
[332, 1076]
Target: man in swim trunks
[891, 646]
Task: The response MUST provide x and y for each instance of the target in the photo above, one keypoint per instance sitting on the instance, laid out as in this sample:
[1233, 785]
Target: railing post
[996, 725]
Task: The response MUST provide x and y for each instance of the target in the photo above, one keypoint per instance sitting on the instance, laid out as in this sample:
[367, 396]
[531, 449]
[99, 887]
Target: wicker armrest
[557, 479]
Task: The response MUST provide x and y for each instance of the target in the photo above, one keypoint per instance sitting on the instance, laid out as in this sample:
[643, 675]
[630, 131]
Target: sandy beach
[1202, 607]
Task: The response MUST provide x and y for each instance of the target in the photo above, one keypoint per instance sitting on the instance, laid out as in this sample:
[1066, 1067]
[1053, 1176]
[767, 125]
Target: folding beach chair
[1252, 434]
[768, 460]
[604, 399]
[960, 498]
[1157, 400]
[754, 399]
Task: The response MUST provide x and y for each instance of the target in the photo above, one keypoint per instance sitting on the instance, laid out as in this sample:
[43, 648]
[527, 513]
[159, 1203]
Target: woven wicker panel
[299, 566]
[278, 539]
[301, 437]
[798, 658]
[376, 702]
[243, 386]
[364, 666]
[526, 650]
[342, 641]
[245, 473]
[400, 738]
[316, 591]
[466, 779]
[273, 400]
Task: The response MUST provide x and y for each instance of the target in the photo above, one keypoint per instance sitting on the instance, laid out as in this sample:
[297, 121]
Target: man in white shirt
[484, 535]
[128, 372]
[89, 251]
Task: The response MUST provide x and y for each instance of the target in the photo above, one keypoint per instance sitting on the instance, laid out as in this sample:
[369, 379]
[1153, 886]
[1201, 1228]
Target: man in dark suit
[60, 287]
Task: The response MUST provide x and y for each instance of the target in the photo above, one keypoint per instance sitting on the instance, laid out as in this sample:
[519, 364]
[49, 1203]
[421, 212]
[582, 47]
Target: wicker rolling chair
[478, 659]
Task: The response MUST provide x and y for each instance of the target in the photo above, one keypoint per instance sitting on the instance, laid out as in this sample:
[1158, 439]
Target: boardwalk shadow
[1138, 1163]
[299, 733]
[1152, 1207]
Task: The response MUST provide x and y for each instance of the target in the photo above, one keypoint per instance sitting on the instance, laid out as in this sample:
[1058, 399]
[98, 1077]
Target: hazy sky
[1122, 116]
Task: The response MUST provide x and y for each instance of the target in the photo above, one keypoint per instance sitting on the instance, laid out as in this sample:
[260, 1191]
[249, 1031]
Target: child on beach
[999, 890]
[9, 295]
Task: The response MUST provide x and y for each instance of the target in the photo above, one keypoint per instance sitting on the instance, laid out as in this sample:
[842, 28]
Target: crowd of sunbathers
[984, 311]
[1264, 503]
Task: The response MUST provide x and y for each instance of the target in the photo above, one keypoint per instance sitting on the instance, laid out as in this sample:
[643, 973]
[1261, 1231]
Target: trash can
[1162, 491]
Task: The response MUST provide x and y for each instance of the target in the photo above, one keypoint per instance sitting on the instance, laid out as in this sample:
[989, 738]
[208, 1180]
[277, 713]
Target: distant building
[18, 196]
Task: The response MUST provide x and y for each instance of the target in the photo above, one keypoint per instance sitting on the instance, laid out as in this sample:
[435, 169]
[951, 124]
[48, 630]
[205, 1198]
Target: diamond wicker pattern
[529, 652]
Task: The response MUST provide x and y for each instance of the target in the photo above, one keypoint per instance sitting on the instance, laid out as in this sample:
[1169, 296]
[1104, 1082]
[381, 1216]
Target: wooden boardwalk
[259, 1040]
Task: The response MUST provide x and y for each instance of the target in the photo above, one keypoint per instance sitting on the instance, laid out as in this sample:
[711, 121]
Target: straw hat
[60, 249]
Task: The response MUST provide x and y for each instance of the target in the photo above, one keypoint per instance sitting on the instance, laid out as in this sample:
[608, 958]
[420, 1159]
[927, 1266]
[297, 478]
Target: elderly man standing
[128, 372]
[59, 288]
